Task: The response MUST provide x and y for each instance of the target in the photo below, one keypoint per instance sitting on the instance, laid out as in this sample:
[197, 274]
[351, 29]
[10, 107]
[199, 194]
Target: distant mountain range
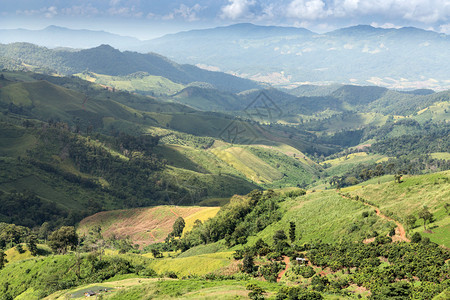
[105, 59]
[405, 58]
[55, 36]
[396, 58]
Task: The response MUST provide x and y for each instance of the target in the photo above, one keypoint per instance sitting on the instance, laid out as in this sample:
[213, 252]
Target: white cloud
[125, 12]
[80, 10]
[445, 28]
[236, 9]
[114, 2]
[424, 11]
[188, 13]
[306, 9]
[47, 12]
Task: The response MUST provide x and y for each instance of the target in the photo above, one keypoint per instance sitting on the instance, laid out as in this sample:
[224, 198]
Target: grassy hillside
[325, 216]
[340, 165]
[410, 196]
[140, 82]
[248, 164]
[144, 226]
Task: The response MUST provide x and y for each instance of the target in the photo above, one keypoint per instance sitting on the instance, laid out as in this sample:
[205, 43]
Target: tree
[178, 227]
[3, 259]
[279, 236]
[279, 239]
[32, 244]
[426, 216]
[256, 292]
[63, 238]
[416, 238]
[292, 231]
[247, 264]
[411, 221]
[156, 253]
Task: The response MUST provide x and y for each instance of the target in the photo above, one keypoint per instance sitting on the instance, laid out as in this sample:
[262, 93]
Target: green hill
[109, 61]
[140, 82]
[400, 200]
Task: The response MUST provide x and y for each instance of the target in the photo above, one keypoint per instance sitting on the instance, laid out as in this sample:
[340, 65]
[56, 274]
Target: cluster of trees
[420, 266]
[240, 218]
[29, 210]
[432, 138]
[404, 165]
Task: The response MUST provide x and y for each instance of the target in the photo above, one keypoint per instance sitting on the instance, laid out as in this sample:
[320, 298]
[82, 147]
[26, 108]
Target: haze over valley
[236, 149]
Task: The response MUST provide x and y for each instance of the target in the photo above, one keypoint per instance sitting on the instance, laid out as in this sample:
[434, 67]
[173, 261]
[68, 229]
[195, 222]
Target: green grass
[139, 82]
[326, 216]
[408, 197]
[441, 155]
[144, 288]
[193, 265]
[341, 165]
[296, 168]
[253, 168]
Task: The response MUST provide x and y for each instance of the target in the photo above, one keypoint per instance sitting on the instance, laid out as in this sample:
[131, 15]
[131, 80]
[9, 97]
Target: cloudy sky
[150, 18]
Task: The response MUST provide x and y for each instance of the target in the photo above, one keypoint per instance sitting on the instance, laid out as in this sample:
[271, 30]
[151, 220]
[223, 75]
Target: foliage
[62, 239]
[297, 293]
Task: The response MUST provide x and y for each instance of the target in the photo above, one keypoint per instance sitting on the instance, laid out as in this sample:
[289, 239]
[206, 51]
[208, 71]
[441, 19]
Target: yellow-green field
[194, 265]
[248, 164]
[441, 155]
[342, 164]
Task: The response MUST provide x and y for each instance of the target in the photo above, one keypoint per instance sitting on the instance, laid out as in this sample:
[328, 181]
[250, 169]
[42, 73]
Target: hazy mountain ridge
[360, 54]
[404, 58]
[56, 36]
[105, 59]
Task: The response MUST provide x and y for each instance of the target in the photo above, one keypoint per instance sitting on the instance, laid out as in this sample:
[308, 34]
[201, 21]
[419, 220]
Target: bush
[416, 238]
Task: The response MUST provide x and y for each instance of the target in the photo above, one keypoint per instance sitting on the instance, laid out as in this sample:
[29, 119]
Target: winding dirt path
[286, 261]
[400, 233]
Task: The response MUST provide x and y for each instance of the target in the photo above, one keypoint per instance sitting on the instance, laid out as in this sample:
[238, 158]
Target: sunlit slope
[410, 196]
[326, 216]
[144, 226]
[141, 82]
[248, 164]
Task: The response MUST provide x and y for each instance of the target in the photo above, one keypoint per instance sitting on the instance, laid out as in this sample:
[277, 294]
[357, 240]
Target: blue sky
[150, 18]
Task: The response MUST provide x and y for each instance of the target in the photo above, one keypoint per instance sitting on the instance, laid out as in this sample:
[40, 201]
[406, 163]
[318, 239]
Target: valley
[134, 176]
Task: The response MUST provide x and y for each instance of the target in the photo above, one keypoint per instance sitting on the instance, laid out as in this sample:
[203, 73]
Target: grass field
[194, 265]
[150, 288]
[409, 197]
[441, 155]
[138, 82]
[326, 216]
[248, 164]
[345, 163]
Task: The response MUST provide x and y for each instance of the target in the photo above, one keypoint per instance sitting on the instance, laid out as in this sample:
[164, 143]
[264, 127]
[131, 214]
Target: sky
[147, 19]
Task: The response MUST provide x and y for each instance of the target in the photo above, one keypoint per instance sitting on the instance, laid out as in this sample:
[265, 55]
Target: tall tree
[292, 231]
[426, 216]
[3, 260]
[178, 227]
[63, 238]
[32, 244]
